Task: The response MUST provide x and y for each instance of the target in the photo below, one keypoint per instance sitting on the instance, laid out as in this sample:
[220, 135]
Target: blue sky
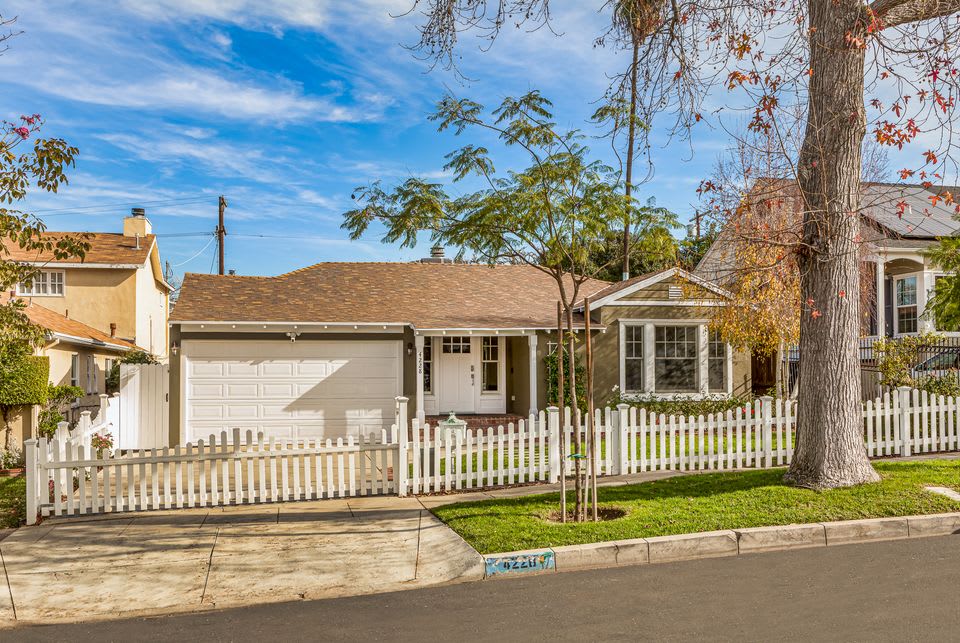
[282, 106]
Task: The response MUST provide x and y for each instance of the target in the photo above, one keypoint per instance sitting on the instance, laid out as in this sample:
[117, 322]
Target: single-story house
[79, 355]
[323, 351]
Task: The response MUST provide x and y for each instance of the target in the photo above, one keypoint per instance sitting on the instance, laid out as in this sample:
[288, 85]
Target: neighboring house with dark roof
[323, 351]
[79, 355]
[117, 288]
[898, 222]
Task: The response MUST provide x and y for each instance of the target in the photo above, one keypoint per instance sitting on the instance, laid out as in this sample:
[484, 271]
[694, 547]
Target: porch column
[924, 282]
[418, 341]
[879, 299]
[532, 356]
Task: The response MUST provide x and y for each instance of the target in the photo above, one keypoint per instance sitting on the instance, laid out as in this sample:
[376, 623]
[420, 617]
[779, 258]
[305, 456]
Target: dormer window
[45, 283]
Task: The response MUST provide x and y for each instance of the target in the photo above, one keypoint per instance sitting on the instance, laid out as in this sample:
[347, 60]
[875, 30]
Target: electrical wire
[156, 203]
[202, 250]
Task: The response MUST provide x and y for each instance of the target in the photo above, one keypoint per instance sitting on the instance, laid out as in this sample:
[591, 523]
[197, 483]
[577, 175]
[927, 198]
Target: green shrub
[553, 384]
[25, 383]
[52, 413]
[130, 357]
[679, 405]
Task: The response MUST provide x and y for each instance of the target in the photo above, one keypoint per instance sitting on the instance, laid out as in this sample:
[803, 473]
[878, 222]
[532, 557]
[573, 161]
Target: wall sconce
[409, 348]
[175, 347]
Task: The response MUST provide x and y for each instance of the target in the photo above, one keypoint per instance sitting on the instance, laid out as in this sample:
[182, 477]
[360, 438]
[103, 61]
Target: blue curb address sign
[533, 562]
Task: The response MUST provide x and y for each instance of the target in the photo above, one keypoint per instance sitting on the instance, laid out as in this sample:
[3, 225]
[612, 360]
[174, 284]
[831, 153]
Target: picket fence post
[623, 430]
[766, 407]
[33, 477]
[553, 432]
[400, 473]
[903, 392]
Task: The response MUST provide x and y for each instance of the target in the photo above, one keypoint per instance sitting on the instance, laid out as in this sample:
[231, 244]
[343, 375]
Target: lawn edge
[728, 542]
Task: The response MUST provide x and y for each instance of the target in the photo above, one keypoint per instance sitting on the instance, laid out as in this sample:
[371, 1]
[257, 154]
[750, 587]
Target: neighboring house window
[456, 345]
[74, 370]
[44, 283]
[428, 365]
[717, 364]
[906, 300]
[675, 359]
[490, 364]
[633, 359]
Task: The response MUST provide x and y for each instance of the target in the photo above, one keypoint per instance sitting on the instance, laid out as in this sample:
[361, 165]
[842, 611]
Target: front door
[457, 376]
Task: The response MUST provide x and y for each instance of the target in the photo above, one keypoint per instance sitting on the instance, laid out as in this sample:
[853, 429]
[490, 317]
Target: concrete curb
[713, 544]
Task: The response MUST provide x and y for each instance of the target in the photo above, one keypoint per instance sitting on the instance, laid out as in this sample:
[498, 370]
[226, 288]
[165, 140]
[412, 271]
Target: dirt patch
[603, 513]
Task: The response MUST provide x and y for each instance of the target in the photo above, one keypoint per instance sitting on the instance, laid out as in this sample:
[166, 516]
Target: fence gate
[144, 407]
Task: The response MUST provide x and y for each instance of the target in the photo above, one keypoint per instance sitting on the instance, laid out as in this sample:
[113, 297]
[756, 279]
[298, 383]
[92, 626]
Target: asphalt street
[906, 590]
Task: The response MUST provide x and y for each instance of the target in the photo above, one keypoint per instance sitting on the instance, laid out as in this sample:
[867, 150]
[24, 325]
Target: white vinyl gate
[144, 407]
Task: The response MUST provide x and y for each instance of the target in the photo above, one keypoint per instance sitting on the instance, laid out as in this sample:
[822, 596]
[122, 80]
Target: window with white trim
[74, 370]
[428, 365]
[45, 283]
[456, 345]
[675, 359]
[633, 359]
[716, 364]
[906, 304]
[490, 364]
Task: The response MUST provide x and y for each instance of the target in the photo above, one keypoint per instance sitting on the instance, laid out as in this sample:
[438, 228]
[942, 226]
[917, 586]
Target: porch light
[175, 347]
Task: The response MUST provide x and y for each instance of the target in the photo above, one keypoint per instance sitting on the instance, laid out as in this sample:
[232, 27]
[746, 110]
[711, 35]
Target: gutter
[86, 341]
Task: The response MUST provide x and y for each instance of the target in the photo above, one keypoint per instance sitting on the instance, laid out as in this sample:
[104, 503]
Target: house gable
[671, 287]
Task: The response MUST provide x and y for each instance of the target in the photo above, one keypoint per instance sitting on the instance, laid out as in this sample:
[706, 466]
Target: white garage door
[303, 389]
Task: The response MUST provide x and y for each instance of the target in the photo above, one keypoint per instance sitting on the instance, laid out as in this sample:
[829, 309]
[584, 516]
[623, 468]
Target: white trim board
[653, 279]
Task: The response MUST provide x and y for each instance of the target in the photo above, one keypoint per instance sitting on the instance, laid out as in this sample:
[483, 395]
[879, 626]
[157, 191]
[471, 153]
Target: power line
[101, 206]
[202, 250]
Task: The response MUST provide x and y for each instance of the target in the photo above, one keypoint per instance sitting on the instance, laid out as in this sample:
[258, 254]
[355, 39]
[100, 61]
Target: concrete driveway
[190, 560]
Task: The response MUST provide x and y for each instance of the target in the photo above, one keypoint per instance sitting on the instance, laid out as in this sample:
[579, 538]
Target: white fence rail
[217, 472]
[68, 478]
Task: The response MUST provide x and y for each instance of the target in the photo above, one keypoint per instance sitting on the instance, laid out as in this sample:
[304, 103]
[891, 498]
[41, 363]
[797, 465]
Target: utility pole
[221, 232]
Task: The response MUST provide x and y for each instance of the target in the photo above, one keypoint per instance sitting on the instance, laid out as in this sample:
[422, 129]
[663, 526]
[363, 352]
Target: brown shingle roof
[425, 295]
[57, 323]
[105, 248]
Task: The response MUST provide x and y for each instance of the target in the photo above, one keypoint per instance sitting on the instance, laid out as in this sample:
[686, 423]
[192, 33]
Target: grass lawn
[13, 501]
[703, 503]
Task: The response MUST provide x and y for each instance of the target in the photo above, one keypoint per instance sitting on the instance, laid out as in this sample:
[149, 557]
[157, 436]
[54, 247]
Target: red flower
[22, 131]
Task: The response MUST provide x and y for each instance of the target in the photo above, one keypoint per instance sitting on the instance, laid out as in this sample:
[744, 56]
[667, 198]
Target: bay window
[673, 359]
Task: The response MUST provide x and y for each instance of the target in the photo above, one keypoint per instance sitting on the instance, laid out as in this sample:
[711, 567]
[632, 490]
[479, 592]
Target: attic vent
[675, 292]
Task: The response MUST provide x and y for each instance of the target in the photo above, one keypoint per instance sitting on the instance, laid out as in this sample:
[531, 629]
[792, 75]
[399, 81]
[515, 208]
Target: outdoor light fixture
[293, 336]
[409, 348]
[175, 347]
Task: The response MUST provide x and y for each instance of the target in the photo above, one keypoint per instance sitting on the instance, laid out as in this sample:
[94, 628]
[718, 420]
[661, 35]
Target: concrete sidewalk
[176, 561]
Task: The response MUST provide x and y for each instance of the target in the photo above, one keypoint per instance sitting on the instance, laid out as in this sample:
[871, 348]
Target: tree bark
[830, 450]
[575, 417]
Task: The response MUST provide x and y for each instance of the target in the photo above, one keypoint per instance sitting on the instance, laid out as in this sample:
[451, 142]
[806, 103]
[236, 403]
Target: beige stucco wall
[97, 297]
[60, 359]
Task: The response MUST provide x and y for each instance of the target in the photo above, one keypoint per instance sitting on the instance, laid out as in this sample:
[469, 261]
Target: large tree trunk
[830, 450]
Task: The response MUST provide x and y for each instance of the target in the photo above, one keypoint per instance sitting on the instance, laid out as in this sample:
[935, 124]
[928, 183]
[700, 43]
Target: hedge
[26, 384]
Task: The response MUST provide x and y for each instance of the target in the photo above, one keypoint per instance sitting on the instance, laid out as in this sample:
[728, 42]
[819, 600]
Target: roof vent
[675, 292]
[437, 255]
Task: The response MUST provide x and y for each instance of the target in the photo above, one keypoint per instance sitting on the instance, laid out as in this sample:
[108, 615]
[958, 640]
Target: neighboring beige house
[79, 356]
[323, 351]
[117, 289]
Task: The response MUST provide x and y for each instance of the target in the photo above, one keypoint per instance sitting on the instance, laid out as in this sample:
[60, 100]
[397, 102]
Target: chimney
[113, 329]
[436, 256]
[137, 224]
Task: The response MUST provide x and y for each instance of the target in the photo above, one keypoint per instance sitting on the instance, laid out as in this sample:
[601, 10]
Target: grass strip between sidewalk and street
[13, 501]
[705, 502]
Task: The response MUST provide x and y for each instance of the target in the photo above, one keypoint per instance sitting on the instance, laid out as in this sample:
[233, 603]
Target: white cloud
[190, 89]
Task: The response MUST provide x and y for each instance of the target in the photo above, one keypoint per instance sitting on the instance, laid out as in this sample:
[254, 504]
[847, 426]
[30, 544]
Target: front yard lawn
[13, 501]
[702, 503]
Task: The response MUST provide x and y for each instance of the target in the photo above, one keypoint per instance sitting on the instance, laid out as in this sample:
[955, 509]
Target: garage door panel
[241, 390]
[278, 369]
[305, 390]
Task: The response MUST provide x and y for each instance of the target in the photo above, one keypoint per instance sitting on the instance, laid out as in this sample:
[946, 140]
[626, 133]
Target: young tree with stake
[550, 216]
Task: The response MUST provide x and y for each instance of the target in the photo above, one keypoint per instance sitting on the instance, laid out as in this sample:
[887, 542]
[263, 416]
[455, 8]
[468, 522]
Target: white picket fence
[228, 471]
[66, 478]
[107, 421]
